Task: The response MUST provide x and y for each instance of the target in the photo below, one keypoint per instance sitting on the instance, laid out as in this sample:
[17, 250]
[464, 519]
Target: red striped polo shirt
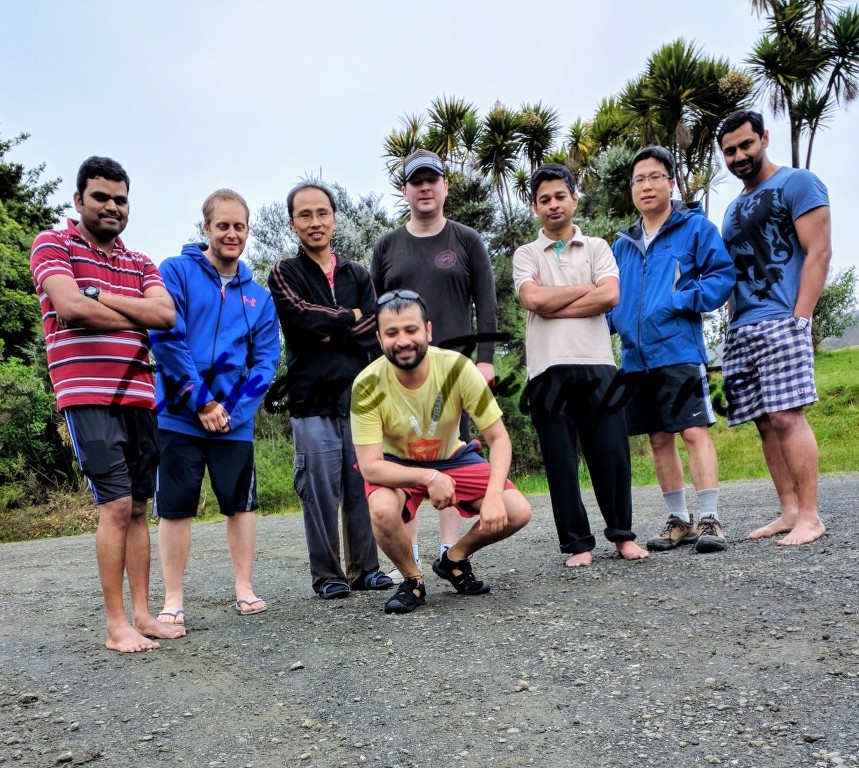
[89, 367]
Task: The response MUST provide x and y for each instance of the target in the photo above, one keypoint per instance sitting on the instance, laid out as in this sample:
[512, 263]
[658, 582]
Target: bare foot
[151, 627]
[581, 560]
[804, 533]
[629, 550]
[174, 616]
[781, 524]
[127, 639]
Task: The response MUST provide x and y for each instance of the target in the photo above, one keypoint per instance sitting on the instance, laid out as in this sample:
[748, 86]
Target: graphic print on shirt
[426, 448]
[761, 245]
[445, 259]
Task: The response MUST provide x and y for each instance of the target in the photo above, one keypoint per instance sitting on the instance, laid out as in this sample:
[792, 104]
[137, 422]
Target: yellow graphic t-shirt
[420, 424]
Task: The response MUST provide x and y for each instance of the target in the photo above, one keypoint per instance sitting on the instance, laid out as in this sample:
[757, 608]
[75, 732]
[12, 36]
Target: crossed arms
[111, 311]
[581, 300]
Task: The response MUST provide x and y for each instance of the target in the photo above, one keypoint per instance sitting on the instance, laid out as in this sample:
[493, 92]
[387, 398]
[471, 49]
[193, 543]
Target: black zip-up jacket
[325, 347]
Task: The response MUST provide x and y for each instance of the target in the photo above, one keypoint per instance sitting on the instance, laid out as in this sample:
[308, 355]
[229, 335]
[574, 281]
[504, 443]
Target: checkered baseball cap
[420, 159]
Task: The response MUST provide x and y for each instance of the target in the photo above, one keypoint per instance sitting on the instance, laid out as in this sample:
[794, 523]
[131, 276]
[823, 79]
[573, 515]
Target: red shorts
[471, 481]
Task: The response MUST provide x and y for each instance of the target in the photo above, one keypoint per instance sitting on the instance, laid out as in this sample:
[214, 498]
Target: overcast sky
[192, 95]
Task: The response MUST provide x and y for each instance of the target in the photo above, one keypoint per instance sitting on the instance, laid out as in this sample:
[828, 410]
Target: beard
[750, 170]
[420, 352]
[103, 228]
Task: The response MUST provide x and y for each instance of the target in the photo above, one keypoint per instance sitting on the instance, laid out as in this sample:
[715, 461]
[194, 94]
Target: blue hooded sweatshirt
[224, 346]
[664, 289]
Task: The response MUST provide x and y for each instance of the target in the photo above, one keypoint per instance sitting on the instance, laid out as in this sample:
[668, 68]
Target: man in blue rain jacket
[673, 266]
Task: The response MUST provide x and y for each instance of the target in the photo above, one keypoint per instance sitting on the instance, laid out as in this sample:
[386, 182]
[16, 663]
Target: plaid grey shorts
[767, 367]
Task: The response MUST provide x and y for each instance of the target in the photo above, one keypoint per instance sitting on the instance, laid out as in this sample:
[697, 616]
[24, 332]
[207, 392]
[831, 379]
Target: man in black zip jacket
[326, 308]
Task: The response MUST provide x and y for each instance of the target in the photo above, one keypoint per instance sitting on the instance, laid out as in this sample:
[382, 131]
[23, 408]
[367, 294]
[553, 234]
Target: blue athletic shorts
[184, 458]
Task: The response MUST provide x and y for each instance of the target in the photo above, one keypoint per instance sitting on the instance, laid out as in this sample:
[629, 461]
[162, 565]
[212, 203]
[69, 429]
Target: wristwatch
[92, 292]
[801, 323]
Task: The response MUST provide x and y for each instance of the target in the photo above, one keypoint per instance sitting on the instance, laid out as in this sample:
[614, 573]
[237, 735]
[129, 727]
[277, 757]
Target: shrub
[27, 449]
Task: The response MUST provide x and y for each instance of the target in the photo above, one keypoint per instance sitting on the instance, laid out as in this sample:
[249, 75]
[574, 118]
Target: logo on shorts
[445, 260]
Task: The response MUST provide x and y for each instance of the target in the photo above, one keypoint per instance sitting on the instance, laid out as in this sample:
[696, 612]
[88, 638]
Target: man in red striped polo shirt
[98, 299]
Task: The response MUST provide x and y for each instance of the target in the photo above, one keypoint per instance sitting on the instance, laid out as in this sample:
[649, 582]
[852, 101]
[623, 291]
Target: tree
[834, 313]
[679, 101]
[25, 197]
[20, 304]
[32, 456]
[30, 452]
[607, 189]
[538, 129]
[24, 212]
[498, 152]
[447, 117]
[806, 63]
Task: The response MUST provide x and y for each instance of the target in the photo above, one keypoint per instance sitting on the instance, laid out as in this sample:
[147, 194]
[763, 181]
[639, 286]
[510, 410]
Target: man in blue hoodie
[673, 266]
[213, 369]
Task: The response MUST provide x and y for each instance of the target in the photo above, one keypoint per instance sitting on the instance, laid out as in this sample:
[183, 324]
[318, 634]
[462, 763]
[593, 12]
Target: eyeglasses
[305, 217]
[407, 295]
[653, 178]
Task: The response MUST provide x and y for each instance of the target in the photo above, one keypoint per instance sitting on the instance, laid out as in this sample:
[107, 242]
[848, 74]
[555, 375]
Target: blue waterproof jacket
[665, 288]
[224, 346]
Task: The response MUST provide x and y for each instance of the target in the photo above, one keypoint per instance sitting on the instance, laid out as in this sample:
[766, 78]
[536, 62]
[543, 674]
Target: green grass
[833, 420]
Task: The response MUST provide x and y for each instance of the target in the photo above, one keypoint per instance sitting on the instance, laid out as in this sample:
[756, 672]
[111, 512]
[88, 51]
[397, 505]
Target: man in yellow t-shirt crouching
[406, 409]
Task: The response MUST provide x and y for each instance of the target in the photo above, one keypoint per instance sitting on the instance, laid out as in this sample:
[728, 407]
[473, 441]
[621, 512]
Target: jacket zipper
[218, 324]
[641, 306]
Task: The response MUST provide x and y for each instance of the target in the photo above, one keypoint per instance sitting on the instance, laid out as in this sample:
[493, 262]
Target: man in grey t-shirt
[447, 264]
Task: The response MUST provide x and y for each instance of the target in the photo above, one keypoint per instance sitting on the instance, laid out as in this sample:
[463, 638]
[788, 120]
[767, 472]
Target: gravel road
[745, 658]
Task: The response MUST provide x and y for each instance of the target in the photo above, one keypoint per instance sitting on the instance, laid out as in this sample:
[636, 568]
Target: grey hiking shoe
[710, 537]
[675, 533]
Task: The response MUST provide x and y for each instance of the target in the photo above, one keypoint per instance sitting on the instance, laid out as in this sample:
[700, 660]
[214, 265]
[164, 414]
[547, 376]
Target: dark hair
[290, 198]
[655, 152]
[100, 167]
[399, 304]
[738, 119]
[552, 172]
[220, 196]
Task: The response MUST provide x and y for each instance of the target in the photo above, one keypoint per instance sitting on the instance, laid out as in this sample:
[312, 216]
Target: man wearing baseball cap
[447, 263]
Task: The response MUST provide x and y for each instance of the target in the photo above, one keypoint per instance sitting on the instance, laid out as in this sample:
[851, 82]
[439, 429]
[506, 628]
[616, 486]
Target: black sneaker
[464, 581]
[405, 600]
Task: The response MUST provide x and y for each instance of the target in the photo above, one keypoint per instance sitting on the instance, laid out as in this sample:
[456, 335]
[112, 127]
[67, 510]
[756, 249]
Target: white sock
[707, 500]
[676, 503]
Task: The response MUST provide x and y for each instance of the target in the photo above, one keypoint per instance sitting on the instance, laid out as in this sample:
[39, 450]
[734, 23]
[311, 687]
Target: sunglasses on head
[387, 298]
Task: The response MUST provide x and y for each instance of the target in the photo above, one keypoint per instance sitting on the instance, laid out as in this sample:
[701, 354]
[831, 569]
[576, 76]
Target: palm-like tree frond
[446, 115]
[538, 127]
[498, 149]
